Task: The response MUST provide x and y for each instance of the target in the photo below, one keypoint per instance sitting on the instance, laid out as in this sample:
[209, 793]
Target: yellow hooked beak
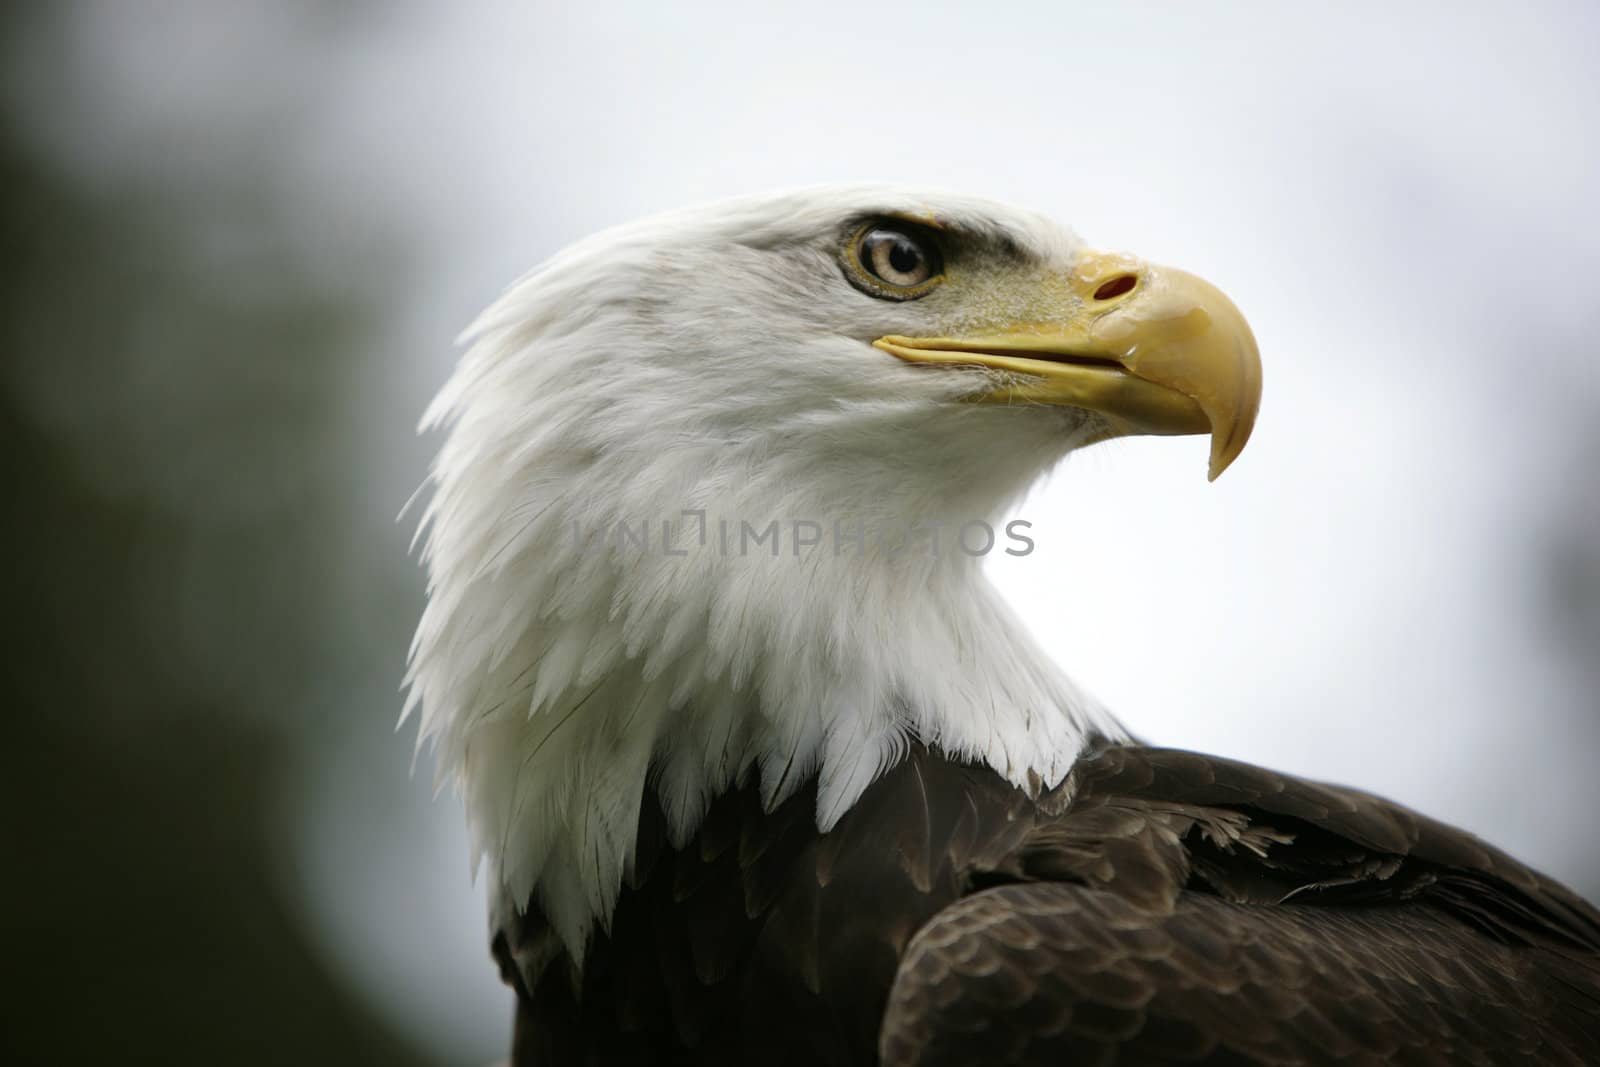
[1151, 349]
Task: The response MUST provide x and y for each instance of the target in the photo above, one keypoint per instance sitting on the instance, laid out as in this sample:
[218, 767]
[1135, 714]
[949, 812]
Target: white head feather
[718, 361]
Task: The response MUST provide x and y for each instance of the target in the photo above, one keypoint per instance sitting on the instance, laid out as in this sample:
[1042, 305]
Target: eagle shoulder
[1178, 908]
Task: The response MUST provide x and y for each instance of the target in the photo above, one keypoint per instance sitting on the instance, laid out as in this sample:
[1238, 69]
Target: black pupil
[904, 257]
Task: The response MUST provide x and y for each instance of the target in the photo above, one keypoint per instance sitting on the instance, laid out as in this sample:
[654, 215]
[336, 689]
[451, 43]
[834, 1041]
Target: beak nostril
[1122, 283]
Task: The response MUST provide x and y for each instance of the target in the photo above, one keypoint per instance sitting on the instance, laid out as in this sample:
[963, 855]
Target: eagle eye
[895, 260]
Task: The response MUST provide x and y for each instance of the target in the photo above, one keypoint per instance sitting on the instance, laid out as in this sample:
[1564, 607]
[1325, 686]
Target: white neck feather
[559, 679]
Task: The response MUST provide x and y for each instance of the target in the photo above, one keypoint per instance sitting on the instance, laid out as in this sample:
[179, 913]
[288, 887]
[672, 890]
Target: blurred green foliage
[177, 591]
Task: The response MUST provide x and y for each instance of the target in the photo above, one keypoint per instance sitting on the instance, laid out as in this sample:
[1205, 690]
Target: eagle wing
[1175, 908]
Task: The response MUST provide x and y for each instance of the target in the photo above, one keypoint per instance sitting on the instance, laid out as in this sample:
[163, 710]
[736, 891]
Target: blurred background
[241, 237]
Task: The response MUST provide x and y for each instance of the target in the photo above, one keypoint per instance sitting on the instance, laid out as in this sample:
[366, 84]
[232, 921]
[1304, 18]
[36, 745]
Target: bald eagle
[762, 769]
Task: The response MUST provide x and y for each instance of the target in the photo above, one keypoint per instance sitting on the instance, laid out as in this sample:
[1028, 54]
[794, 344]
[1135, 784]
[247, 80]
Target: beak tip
[1224, 450]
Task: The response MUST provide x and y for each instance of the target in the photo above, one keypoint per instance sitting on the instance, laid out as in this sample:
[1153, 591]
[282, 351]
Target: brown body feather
[1159, 907]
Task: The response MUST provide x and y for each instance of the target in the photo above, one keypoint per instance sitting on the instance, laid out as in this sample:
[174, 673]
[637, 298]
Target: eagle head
[710, 496]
